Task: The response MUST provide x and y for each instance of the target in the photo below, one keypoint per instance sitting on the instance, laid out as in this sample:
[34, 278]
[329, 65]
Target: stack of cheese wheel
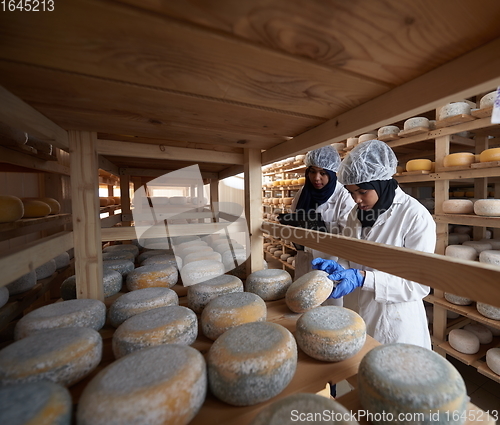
[163, 325]
[395, 379]
[270, 284]
[158, 385]
[199, 295]
[139, 301]
[459, 159]
[458, 206]
[11, 209]
[330, 333]
[61, 355]
[308, 291]
[419, 165]
[231, 310]
[487, 207]
[464, 341]
[251, 363]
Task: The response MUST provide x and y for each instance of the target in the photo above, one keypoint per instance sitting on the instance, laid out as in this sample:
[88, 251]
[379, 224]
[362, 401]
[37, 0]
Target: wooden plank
[437, 271]
[19, 114]
[473, 73]
[469, 359]
[441, 169]
[230, 171]
[106, 165]
[388, 137]
[86, 221]
[415, 173]
[9, 156]
[27, 226]
[146, 172]
[454, 120]
[489, 164]
[21, 261]
[483, 369]
[468, 220]
[413, 131]
[111, 220]
[483, 113]
[127, 149]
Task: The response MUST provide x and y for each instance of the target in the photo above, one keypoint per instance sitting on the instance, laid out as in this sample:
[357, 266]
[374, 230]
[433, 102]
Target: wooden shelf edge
[486, 371]
[469, 359]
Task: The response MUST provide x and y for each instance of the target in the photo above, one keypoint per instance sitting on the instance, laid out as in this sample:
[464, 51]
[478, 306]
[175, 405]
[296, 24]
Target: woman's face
[318, 177]
[365, 198]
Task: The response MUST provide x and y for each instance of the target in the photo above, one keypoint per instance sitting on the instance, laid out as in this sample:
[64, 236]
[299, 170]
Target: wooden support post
[86, 221]
[125, 200]
[480, 187]
[253, 205]
[214, 198]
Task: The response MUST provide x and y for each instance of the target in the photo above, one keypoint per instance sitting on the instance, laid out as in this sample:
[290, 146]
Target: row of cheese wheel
[105, 201]
[13, 208]
[286, 182]
[481, 207]
[276, 201]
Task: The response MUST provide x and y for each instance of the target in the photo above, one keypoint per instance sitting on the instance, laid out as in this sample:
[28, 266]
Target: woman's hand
[328, 266]
[349, 280]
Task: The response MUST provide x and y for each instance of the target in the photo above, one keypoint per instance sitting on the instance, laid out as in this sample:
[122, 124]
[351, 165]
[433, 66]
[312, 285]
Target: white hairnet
[368, 161]
[326, 157]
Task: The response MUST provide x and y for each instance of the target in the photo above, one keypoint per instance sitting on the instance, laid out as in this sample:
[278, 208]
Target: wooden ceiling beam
[146, 172]
[106, 165]
[230, 171]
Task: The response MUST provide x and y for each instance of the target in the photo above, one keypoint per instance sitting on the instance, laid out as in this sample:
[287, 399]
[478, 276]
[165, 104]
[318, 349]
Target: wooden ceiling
[276, 75]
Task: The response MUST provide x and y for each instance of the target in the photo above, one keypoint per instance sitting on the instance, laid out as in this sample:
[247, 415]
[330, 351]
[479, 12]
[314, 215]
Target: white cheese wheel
[4, 295]
[177, 200]
[489, 155]
[290, 259]
[199, 295]
[230, 310]
[415, 122]
[190, 249]
[495, 243]
[367, 136]
[487, 207]
[490, 256]
[278, 253]
[463, 229]
[35, 403]
[118, 255]
[494, 331]
[308, 291]
[201, 271]
[251, 363]
[62, 260]
[351, 142]
[478, 246]
[487, 100]
[85, 313]
[152, 275]
[222, 248]
[464, 252]
[46, 270]
[238, 255]
[452, 315]
[464, 341]
[419, 165]
[457, 238]
[178, 240]
[330, 333]
[270, 284]
[166, 259]
[493, 359]
[61, 355]
[147, 254]
[22, 284]
[457, 299]
[158, 385]
[122, 247]
[453, 109]
[482, 332]
[387, 130]
[112, 282]
[292, 408]
[35, 209]
[124, 267]
[163, 325]
[489, 311]
[139, 301]
[11, 209]
[458, 206]
[202, 255]
[459, 159]
[284, 257]
[396, 379]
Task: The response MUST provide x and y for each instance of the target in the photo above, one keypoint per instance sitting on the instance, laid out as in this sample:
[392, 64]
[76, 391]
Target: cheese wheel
[199, 295]
[284, 257]
[457, 299]
[351, 142]
[494, 331]
[61, 355]
[103, 201]
[454, 108]
[177, 240]
[278, 252]
[495, 243]
[223, 247]
[85, 313]
[230, 310]
[419, 165]
[330, 333]
[194, 248]
[396, 379]
[487, 207]
[251, 363]
[11, 209]
[22, 284]
[457, 238]
[387, 130]
[478, 246]
[4, 295]
[46, 270]
[310, 407]
[202, 255]
[487, 100]
[112, 282]
[463, 341]
[462, 159]
[124, 267]
[158, 385]
[177, 200]
[148, 254]
[122, 247]
[163, 325]
[139, 301]
[270, 284]
[118, 255]
[308, 291]
[489, 311]
[55, 206]
[62, 260]
[290, 259]
[365, 137]
[490, 256]
[482, 332]
[201, 271]
[34, 208]
[493, 359]
[165, 259]
[302, 180]
[152, 275]
[463, 229]
[415, 122]
[458, 206]
[232, 259]
[35, 403]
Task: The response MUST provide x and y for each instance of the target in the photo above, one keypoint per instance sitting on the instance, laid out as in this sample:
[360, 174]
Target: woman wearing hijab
[391, 306]
[321, 193]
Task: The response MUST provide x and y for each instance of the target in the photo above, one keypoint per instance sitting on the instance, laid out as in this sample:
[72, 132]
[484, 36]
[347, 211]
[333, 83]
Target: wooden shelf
[470, 359]
[26, 226]
[486, 371]
[468, 220]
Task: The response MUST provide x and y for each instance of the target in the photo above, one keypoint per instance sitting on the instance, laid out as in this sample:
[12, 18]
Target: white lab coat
[391, 306]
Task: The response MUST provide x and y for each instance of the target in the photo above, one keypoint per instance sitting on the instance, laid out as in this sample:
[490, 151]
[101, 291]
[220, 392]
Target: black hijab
[310, 197]
[386, 190]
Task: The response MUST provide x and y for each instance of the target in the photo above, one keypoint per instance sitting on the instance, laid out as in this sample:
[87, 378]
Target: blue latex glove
[349, 280]
[328, 266]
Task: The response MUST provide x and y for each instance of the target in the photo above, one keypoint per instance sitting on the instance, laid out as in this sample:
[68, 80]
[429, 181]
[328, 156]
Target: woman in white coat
[391, 306]
[323, 194]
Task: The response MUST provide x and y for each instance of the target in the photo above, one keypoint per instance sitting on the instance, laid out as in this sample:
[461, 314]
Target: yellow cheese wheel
[400, 169]
[117, 200]
[34, 208]
[295, 182]
[419, 165]
[459, 159]
[152, 275]
[302, 180]
[11, 209]
[103, 202]
[489, 155]
[55, 206]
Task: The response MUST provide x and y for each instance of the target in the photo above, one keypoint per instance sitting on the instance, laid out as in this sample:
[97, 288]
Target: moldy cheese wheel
[308, 291]
[152, 275]
[199, 295]
[464, 341]
[156, 386]
[395, 379]
[251, 363]
[201, 271]
[270, 284]
[11, 209]
[122, 247]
